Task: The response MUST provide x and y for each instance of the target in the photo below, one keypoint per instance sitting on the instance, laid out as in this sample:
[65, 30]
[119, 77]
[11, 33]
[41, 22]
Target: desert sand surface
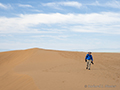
[40, 69]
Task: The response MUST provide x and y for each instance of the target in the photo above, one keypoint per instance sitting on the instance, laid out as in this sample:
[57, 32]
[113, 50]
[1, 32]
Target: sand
[40, 69]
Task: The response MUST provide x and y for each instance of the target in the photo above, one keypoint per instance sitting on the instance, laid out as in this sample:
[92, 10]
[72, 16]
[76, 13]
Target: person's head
[89, 53]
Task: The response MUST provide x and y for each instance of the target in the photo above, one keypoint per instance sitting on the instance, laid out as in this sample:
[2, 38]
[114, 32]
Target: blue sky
[80, 25]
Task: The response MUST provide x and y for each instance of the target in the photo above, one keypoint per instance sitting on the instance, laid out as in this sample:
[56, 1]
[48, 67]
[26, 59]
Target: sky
[72, 25]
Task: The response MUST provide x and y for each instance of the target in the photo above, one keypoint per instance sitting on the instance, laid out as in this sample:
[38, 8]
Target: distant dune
[40, 69]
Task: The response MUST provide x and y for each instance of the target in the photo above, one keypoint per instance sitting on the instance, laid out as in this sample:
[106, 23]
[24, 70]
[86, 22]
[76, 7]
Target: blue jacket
[89, 57]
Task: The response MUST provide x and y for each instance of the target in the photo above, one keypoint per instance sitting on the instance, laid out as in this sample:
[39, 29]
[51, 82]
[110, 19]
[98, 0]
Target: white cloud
[35, 10]
[106, 22]
[49, 4]
[108, 29]
[113, 4]
[24, 5]
[71, 3]
[7, 6]
[2, 6]
[4, 35]
[59, 37]
[68, 3]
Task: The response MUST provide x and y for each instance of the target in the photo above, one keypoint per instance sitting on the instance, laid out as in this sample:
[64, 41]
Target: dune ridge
[40, 69]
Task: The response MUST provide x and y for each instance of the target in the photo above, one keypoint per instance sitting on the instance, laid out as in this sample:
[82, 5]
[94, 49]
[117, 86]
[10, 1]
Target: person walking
[89, 60]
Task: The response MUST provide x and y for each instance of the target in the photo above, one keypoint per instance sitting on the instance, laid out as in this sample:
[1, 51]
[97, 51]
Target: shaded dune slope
[9, 80]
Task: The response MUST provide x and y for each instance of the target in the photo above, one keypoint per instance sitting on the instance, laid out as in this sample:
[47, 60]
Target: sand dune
[39, 69]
